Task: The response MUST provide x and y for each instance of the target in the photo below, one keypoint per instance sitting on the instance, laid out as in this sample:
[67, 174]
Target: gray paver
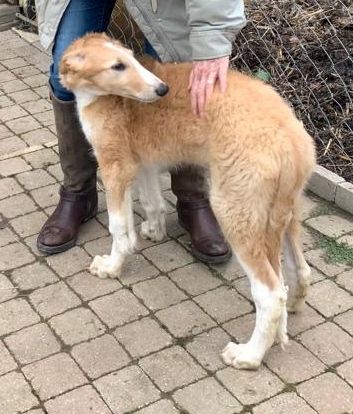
[284, 404]
[7, 289]
[16, 314]
[100, 356]
[206, 397]
[171, 368]
[54, 375]
[7, 362]
[127, 389]
[33, 276]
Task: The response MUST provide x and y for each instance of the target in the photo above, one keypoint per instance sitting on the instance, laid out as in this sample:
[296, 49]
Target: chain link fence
[304, 48]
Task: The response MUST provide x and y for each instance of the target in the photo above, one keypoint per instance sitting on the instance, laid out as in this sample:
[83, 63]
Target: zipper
[154, 6]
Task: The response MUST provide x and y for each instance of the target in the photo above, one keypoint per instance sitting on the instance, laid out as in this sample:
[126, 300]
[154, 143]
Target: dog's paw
[149, 232]
[102, 267]
[241, 356]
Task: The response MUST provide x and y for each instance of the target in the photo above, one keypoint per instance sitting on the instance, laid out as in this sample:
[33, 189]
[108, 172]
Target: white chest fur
[84, 99]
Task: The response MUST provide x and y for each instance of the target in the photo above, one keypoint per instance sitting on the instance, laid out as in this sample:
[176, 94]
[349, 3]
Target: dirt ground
[305, 49]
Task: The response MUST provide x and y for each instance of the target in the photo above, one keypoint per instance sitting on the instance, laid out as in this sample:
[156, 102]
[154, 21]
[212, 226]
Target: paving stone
[54, 375]
[347, 239]
[34, 107]
[206, 397]
[83, 400]
[56, 171]
[90, 287]
[76, 326]
[346, 321]
[127, 390]
[207, 347]
[126, 308]
[158, 293]
[12, 86]
[318, 259]
[160, 407]
[329, 299]
[168, 256]
[23, 96]
[33, 343]
[16, 314]
[45, 118]
[135, 269]
[100, 356]
[53, 299]
[230, 270]
[34, 179]
[191, 319]
[7, 236]
[223, 304]
[346, 280]
[14, 255]
[29, 224]
[241, 328]
[9, 187]
[195, 278]
[6, 75]
[285, 363]
[303, 320]
[22, 125]
[5, 102]
[33, 276]
[12, 144]
[7, 362]
[70, 262]
[14, 63]
[91, 230]
[42, 91]
[42, 158]
[46, 196]
[36, 80]
[17, 205]
[250, 387]
[4, 132]
[283, 404]
[171, 368]
[39, 411]
[13, 166]
[316, 276]
[15, 112]
[346, 371]
[331, 225]
[329, 343]
[15, 394]
[327, 394]
[7, 289]
[25, 71]
[143, 337]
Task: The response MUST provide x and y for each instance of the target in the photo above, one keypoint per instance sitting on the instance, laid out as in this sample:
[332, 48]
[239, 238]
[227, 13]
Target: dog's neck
[84, 98]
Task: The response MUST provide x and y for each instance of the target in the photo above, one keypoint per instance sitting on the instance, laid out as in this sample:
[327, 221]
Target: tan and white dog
[258, 154]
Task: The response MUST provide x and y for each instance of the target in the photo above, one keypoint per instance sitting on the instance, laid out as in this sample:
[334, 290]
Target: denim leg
[79, 18]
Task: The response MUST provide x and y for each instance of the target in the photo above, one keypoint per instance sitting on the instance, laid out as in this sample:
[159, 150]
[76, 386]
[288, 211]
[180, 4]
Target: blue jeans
[79, 18]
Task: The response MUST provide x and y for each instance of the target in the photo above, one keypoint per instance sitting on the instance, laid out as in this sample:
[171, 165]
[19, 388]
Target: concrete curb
[332, 187]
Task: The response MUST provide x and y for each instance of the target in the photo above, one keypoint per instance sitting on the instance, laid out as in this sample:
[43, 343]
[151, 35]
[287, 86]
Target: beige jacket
[179, 30]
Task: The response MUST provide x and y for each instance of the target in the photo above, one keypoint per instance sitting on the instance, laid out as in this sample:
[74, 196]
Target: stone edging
[332, 187]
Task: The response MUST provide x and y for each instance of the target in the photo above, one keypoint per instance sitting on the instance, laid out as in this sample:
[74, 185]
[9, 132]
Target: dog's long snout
[162, 89]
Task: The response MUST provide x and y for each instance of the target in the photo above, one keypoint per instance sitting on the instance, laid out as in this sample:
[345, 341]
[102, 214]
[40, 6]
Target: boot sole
[49, 250]
[207, 258]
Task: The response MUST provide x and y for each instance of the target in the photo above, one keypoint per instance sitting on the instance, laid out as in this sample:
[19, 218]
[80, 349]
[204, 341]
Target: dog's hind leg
[121, 225]
[296, 268]
[151, 199]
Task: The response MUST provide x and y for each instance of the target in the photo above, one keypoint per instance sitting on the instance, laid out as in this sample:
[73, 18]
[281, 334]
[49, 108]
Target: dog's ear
[72, 62]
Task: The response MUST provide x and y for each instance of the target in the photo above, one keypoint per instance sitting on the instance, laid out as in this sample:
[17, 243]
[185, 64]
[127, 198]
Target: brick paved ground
[149, 342]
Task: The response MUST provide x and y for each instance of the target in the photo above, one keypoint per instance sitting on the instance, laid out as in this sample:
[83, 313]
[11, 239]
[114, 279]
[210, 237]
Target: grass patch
[321, 210]
[337, 252]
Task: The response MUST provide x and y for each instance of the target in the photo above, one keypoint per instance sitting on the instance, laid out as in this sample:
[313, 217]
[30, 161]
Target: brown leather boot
[196, 216]
[78, 195]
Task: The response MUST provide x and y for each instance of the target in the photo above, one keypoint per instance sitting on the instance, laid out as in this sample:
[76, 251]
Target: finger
[193, 96]
[223, 74]
[211, 80]
[191, 78]
[201, 94]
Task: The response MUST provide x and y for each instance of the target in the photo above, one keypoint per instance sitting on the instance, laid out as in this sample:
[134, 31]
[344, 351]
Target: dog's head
[100, 65]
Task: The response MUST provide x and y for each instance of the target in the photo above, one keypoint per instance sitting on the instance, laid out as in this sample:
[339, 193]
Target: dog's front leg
[121, 227]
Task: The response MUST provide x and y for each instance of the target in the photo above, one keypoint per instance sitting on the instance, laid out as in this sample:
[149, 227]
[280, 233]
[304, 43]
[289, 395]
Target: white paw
[295, 304]
[241, 356]
[103, 267]
[150, 232]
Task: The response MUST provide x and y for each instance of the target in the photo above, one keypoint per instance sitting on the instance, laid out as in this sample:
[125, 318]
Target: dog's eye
[119, 67]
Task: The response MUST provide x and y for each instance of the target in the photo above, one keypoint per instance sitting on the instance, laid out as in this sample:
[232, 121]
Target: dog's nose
[162, 89]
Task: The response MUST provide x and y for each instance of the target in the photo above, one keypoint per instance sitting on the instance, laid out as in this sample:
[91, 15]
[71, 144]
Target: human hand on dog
[203, 77]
